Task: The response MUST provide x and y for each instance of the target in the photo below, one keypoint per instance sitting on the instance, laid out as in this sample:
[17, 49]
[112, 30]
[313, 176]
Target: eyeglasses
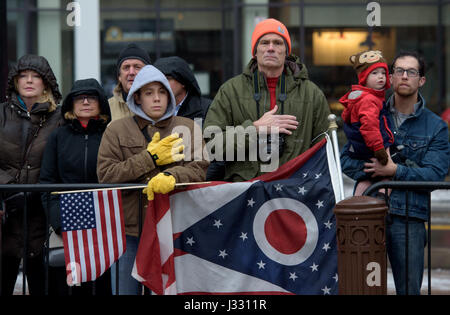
[81, 98]
[411, 73]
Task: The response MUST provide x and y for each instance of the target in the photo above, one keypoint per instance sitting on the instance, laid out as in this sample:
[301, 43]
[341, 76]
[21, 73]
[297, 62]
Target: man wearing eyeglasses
[421, 154]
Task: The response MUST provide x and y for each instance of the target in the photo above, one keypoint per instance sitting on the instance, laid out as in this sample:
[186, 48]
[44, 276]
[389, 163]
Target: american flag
[275, 234]
[93, 233]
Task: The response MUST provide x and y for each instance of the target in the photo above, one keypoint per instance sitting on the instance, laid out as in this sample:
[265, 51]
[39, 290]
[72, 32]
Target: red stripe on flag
[67, 258]
[161, 206]
[176, 235]
[76, 250]
[96, 253]
[87, 260]
[148, 257]
[122, 225]
[178, 252]
[289, 168]
[168, 269]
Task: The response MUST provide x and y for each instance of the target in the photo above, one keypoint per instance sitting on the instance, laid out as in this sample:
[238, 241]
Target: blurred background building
[214, 37]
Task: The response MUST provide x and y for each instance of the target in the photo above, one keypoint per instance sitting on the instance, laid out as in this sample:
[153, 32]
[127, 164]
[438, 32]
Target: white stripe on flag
[171, 290]
[81, 255]
[333, 170]
[72, 264]
[118, 225]
[107, 213]
[202, 202]
[164, 230]
[98, 221]
[135, 273]
[194, 274]
[91, 255]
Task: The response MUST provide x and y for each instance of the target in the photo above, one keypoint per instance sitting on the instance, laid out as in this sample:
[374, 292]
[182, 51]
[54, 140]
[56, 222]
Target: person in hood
[426, 156]
[273, 92]
[130, 61]
[365, 122]
[27, 119]
[189, 101]
[185, 88]
[70, 156]
[147, 148]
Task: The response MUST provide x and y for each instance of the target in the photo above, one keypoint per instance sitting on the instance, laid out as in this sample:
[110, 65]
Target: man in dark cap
[131, 59]
[185, 88]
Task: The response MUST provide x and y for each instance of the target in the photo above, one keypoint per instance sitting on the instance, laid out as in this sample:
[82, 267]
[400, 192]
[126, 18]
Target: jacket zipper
[27, 152]
[86, 138]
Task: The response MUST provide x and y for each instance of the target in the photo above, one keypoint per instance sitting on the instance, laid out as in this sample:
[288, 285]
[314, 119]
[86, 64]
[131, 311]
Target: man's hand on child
[381, 156]
[377, 169]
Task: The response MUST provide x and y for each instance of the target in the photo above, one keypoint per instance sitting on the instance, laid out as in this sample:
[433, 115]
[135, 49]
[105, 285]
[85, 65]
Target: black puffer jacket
[23, 136]
[71, 152]
[194, 106]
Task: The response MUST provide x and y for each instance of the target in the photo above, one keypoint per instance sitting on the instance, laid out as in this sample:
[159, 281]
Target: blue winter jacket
[426, 149]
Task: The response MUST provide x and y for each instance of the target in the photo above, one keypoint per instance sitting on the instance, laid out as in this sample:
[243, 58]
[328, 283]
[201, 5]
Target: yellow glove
[162, 183]
[167, 150]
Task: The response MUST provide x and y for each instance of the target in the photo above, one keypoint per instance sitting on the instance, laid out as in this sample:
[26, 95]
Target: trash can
[360, 228]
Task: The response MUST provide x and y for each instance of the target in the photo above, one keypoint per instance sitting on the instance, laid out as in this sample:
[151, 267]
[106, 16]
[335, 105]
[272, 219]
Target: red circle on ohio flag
[285, 231]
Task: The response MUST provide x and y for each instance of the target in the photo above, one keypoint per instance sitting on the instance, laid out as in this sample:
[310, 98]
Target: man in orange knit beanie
[273, 93]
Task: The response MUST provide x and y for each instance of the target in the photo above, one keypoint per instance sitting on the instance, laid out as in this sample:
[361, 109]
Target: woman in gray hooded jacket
[139, 149]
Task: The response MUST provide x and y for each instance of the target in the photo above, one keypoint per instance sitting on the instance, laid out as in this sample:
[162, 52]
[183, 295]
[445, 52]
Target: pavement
[440, 282]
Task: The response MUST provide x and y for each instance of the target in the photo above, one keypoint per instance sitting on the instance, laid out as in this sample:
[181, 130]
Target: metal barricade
[408, 186]
[41, 188]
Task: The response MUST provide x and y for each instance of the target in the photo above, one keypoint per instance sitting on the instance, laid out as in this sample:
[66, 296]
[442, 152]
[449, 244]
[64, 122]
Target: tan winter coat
[123, 158]
[117, 105]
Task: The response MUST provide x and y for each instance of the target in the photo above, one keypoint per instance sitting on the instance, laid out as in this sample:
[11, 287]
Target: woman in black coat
[71, 157]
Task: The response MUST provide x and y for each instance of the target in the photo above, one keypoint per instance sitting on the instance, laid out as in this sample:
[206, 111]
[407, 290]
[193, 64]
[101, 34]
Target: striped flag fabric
[93, 233]
[275, 234]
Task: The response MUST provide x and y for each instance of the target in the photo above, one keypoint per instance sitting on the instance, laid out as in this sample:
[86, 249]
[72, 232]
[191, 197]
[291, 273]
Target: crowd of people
[130, 138]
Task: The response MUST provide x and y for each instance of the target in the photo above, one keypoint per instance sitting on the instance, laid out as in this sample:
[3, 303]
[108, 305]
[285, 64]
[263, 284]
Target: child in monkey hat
[365, 124]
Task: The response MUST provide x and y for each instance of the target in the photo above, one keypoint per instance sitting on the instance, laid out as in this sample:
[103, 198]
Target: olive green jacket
[234, 105]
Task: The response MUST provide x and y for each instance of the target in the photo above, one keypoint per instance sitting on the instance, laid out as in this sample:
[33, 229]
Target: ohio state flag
[274, 234]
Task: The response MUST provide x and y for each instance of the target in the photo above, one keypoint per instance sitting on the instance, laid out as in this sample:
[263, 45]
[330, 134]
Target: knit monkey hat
[365, 62]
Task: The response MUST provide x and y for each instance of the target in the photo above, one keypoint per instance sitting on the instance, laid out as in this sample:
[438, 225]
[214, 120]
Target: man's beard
[405, 93]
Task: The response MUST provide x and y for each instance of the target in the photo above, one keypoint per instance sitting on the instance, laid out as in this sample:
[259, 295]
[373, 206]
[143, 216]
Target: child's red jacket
[362, 118]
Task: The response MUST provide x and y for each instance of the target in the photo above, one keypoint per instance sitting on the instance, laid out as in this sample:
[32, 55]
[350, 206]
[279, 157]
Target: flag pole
[121, 188]
[333, 127]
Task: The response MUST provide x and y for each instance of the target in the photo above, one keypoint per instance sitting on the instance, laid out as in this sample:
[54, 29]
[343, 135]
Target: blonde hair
[47, 97]
[71, 116]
